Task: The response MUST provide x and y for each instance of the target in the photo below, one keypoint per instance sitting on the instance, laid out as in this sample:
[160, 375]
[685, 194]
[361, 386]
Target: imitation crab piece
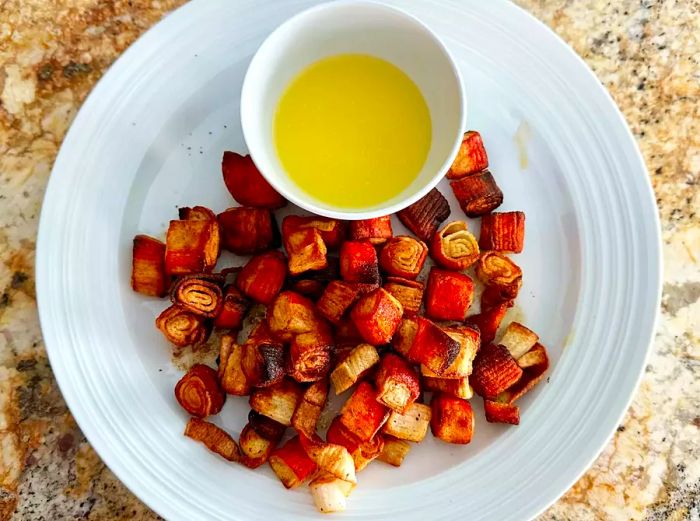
[199, 393]
[458, 387]
[504, 232]
[191, 247]
[291, 464]
[148, 275]
[488, 321]
[331, 458]
[262, 278]
[333, 231]
[394, 451]
[358, 262]
[471, 157]
[200, 294]
[233, 311]
[518, 339]
[245, 231]
[534, 364]
[469, 340]
[403, 256]
[452, 419]
[495, 370]
[398, 385]
[291, 314]
[214, 438]
[353, 367]
[376, 230]
[337, 299]
[376, 316]
[497, 412]
[448, 295]
[362, 414]
[233, 379]
[412, 425]
[454, 247]
[278, 401]
[423, 342]
[425, 215]
[477, 194]
[329, 492]
[258, 439]
[246, 184]
[310, 354]
[255, 363]
[308, 411]
[408, 292]
[182, 328]
[362, 452]
[305, 248]
[497, 270]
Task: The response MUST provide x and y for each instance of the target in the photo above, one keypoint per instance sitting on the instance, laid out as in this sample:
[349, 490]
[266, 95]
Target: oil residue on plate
[521, 137]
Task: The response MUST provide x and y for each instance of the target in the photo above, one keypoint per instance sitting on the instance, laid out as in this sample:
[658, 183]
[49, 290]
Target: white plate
[150, 137]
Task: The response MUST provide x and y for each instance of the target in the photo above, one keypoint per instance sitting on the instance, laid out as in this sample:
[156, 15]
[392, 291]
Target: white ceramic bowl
[353, 27]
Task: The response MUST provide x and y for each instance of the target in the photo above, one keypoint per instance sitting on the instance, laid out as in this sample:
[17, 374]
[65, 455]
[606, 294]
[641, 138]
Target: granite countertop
[646, 52]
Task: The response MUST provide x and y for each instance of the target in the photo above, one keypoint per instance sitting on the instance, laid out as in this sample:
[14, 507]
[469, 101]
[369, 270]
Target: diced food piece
[312, 402]
[246, 184]
[488, 321]
[398, 385]
[394, 451]
[469, 340]
[199, 393]
[471, 157]
[278, 401]
[362, 414]
[495, 269]
[448, 295]
[405, 336]
[355, 365]
[233, 379]
[452, 419]
[518, 339]
[412, 425]
[262, 277]
[408, 292]
[233, 310]
[191, 247]
[148, 267]
[291, 463]
[504, 232]
[535, 364]
[454, 247]
[497, 412]
[333, 231]
[458, 387]
[362, 452]
[183, 328]
[423, 342]
[495, 370]
[403, 256]
[535, 356]
[337, 299]
[376, 230]
[376, 316]
[358, 262]
[199, 294]
[310, 288]
[247, 230]
[196, 213]
[291, 314]
[258, 439]
[306, 250]
[252, 364]
[331, 458]
[425, 215]
[329, 493]
[310, 354]
[214, 438]
[477, 193]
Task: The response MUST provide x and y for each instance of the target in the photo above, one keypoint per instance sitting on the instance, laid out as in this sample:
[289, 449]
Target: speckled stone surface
[646, 52]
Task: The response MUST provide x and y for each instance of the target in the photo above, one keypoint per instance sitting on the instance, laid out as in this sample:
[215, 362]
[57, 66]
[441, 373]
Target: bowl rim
[307, 203]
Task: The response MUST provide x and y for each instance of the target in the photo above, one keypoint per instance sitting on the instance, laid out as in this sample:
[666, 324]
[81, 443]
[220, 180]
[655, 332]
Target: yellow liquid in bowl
[352, 131]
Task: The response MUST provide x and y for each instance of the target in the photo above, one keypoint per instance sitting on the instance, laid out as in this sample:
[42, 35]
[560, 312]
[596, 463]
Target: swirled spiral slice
[403, 256]
[200, 294]
[181, 327]
[199, 392]
[495, 269]
[454, 247]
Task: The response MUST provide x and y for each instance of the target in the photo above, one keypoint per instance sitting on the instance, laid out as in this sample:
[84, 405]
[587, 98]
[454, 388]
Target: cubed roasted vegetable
[308, 411]
[362, 452]
[495, 370]
[358, 262]
[258, 439]
[234, 309]
[262, 277]
[376, 316]
[397, 383]
[333, 231]
[477, 193]
[504, 232]
[412, 425]
[458, 387]
[518, 339]
[182, 328]
[200, 294]
[353, 367]
[425, 215]
[453, 247]
[291, 314]
[452, 419]
[394, 451]
[497, 412]
[246, 184]
[471, 157]
[337, 299]
[305, 249]
[469, 341]
[403, 256]
[331, 458]
[278, 401]
[448, 295]
[362, 414]
[488, 321]
[196, 213]
[245, 231]
[310, 354]
[408, 292]
[534, 364]
[423, 342]
[148, 275]
[376, 230]
[191, 247]
[329, 493]
[214, 438]
[291, 463]
[199, 392]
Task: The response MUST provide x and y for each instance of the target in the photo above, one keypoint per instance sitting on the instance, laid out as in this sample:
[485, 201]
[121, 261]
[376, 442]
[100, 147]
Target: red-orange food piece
[148, 275]
[362, 452]
[376, 230]
[214, 438]
[471, 157]
[262, 278]
[310, 354]
[504, 232]
[191, 246]
[497, 412]
[403, 256]
[362, 414]
[183, 328]
[305, 249]
[452, 419]
[199, 393]
[534, 365]
[246, 184]
[448, 295]
[200, 294]
[333, 231]
[495, 269]
[247, 230]
[477, 193]
[495, 370]
[291, 314]
[488, 321]
[233, 311]
[423, 342]
[408, 292]
[397, 382]
[425, 215]
[454, 247]
[358, 262]
[291, 463]
[336, 299]
[376, 316]
[493, 296]
[196, 213]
